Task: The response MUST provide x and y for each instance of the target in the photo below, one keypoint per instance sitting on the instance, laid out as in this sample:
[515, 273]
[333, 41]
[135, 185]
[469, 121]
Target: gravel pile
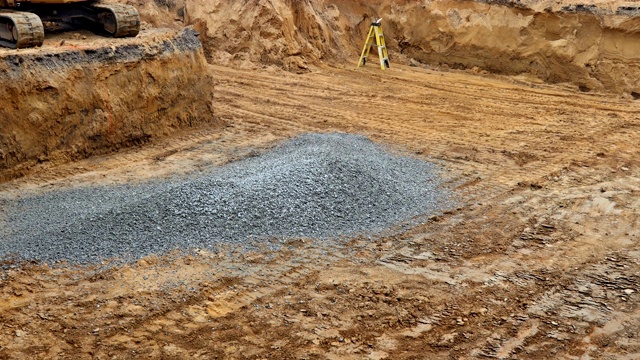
[321, 186]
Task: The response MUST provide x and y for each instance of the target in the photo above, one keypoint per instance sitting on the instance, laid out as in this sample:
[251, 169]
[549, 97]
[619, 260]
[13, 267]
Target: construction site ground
[539, 260]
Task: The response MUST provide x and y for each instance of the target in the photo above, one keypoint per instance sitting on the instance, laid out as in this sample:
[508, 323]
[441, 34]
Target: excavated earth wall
[594, 47]
[83, 98]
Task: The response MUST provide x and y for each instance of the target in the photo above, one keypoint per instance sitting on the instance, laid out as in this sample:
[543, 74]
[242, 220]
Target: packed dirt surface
[81, 95]
[536, 128]
[541, 261]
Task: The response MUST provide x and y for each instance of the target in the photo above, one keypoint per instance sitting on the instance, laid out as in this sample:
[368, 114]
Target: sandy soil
[588, 43]
[80, 95]
[539, 261]
[81, 92]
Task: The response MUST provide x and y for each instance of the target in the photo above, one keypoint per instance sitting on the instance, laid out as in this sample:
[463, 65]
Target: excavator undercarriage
[22, 26]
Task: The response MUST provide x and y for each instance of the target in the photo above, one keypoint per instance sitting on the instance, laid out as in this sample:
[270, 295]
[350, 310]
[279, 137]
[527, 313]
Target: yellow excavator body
[21, 21]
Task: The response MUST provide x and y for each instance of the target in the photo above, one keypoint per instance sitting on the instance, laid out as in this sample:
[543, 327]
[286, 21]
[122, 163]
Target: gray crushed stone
[320, 186]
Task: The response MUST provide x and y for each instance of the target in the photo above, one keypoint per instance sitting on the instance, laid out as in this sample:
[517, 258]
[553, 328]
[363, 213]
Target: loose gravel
[320, 186]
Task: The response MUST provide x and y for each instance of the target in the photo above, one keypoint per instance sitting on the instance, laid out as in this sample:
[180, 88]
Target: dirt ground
[540, 260]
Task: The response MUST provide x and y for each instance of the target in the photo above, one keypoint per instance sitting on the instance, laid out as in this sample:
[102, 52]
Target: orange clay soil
[539, 261]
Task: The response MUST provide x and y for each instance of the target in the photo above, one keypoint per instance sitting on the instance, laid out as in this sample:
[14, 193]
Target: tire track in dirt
[254, 283]
[376, 118]
[271, 89]
[476, 281]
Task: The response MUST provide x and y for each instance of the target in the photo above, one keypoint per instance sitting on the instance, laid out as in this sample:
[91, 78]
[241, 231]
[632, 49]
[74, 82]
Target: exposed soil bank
[593, 47]
[72, 101]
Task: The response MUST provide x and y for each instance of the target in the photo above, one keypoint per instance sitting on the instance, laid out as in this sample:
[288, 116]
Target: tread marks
[20, 29]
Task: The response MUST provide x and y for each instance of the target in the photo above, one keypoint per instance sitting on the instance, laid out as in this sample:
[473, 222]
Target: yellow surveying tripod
[375, 33]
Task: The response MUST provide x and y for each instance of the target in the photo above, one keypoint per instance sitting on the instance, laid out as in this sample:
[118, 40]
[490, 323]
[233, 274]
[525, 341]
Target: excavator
[21, 21]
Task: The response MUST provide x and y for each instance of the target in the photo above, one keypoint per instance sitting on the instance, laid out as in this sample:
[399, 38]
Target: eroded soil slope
[541, 261]
[590, 44]
[82, 95]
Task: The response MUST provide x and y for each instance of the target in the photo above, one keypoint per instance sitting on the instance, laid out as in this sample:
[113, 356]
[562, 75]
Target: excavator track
[118, 20]
[20, 29]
